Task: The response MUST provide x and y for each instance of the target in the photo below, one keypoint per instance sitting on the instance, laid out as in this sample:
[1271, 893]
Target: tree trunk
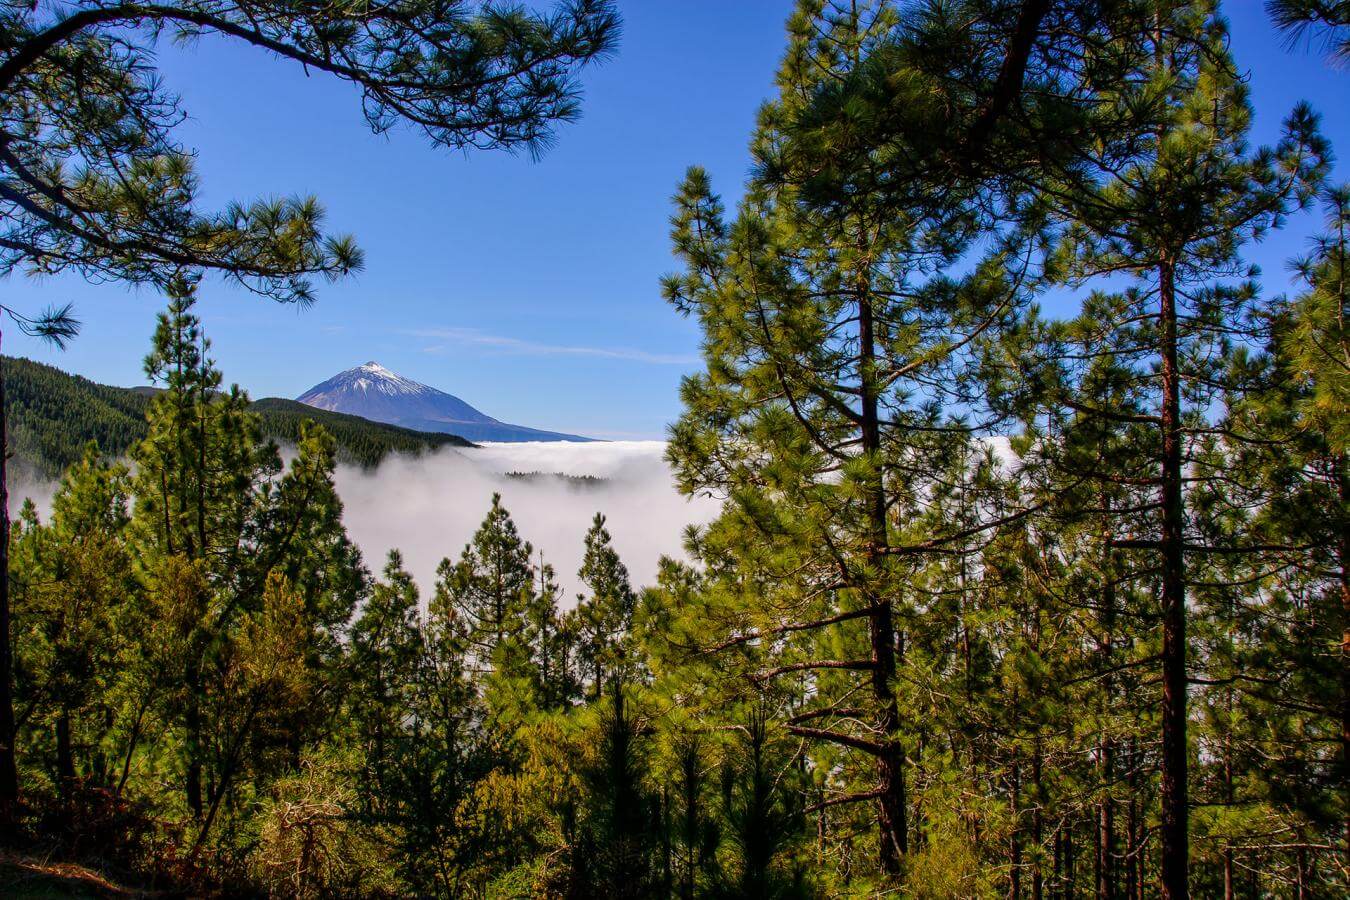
[1070, 870]
[219, 790]
[1037, 837]
[193, 749]
[1106, 875]
[892, 826]
[131, 748]
[65, 753]
[1229, 890]
[1105, 843]
[9, 772]
[890, 763]
[1173, 829]
[1015, 850]
[1132, 864]
[1343, 482]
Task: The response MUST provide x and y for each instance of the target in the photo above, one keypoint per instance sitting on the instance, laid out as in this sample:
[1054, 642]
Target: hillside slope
[52, 414]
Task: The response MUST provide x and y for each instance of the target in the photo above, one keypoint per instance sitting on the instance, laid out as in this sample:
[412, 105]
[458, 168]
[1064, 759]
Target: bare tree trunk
[1174, 827]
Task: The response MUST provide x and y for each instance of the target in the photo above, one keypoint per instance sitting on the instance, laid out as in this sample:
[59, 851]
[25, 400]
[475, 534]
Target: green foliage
[997, 605]
[359, 441]
[487, 593]
[1321, 21]
[72, 602]
[190, 654]
[604, 618]
[99, 184]
[614, 854]
[52, 416]
[987, 645]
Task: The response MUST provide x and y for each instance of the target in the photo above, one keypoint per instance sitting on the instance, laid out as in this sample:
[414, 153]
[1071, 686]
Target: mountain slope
[373, 392]
[52, 414]
[359, 440]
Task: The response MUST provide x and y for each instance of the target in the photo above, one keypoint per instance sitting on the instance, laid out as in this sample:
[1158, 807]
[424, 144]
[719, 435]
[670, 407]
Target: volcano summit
[373, 392]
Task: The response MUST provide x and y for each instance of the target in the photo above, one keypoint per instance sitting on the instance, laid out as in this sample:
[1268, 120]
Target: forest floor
[29, 878]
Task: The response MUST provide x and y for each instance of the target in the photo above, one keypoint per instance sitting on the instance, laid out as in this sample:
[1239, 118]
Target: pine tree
[1275, 691]
[555, 642]
[464, 74]
[691, 832]
[265, 682]
[201, 456]
[71, 597]
[385, 653]
[762, 809]
[296, 530]
[605, 616]
[195, 472]
[488, 591]
[97, 183]
[1174, 220]
[213, 498]
[55, 326]
[837, 351]
[616, 851]
[443, 758]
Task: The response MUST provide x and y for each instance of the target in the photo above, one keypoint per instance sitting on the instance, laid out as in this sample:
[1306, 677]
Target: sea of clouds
[428, 507]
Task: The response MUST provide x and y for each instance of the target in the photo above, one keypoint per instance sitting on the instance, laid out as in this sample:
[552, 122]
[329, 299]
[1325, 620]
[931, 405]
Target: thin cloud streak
[471, 336]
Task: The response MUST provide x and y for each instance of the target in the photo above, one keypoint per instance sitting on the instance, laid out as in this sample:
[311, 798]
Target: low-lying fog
[429, 507]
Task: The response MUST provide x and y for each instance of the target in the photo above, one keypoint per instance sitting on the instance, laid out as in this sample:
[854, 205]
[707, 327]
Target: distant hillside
[361, 440]
[53, 414]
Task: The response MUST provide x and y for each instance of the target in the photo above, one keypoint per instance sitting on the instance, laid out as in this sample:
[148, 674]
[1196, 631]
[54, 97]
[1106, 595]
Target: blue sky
[527, 288]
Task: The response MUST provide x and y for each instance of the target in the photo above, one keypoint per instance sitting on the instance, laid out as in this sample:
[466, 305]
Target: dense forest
[999, 603]
[52, 415]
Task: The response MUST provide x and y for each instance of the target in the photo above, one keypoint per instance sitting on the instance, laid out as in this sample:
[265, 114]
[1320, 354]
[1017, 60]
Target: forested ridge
[52, 415]
[998, 604]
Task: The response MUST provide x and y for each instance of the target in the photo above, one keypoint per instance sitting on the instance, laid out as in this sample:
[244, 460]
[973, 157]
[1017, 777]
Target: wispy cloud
[474, 337]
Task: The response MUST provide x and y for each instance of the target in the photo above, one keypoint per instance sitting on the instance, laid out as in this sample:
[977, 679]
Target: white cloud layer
[429, 507]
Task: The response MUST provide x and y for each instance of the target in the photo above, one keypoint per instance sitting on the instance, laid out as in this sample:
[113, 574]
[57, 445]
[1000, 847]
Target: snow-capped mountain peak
[374, 377]
[373, 392]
